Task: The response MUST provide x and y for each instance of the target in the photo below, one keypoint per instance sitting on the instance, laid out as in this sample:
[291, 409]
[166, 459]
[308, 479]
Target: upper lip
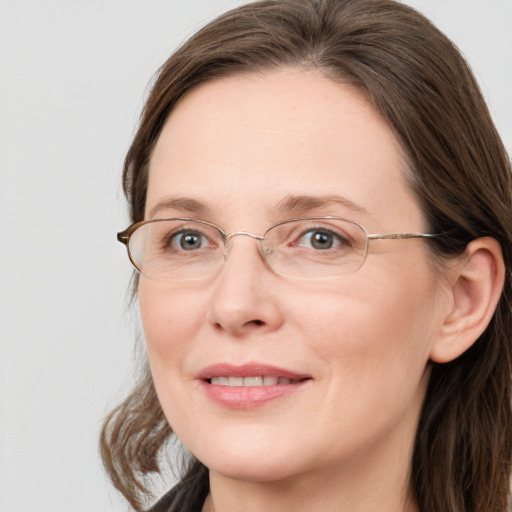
[249, 370]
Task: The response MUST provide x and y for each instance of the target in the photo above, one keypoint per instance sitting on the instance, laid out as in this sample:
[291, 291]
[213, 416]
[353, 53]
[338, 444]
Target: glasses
[308, 248]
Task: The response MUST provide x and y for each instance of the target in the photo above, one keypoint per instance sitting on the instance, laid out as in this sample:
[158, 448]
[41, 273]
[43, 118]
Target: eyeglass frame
[125, 235]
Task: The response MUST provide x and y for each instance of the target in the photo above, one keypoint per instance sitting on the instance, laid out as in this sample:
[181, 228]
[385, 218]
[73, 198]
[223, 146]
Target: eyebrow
[301, 204]
[291, 205]
[184, 204]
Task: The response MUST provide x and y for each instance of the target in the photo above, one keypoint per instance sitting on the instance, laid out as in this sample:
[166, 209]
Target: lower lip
[246, 397]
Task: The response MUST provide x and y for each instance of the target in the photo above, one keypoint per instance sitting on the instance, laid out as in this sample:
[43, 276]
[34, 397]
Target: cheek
[373, 328]
[170, 317]
[372, 349]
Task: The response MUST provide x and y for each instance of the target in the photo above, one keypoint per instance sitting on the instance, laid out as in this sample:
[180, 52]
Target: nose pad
[241, 301]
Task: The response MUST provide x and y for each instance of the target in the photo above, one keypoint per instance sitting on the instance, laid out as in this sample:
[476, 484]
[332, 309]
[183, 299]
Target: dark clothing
[187, 496]
[174, 501]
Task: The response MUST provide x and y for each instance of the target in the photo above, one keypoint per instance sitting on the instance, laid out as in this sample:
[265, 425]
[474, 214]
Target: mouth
[252, 381]
[250, 385]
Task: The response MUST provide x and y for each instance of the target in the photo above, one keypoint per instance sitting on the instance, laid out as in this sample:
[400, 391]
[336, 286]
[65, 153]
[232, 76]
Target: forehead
[241, 145]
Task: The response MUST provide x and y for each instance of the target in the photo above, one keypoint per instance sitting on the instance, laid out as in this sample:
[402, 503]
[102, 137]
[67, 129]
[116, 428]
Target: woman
[322, 225]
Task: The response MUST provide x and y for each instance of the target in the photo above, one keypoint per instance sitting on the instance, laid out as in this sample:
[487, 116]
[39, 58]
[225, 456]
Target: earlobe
[476, 288]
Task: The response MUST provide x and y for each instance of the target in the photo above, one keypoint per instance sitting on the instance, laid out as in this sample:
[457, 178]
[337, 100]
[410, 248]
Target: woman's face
[244, 153]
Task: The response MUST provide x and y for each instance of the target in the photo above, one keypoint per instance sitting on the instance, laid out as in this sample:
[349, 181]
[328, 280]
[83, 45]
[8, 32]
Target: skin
[343, 442]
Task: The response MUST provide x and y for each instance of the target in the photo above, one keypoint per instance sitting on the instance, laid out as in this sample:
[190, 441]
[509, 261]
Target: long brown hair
[460, 173]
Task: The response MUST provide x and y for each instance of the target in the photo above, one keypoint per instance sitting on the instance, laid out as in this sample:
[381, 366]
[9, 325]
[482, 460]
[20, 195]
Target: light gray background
[72, 78]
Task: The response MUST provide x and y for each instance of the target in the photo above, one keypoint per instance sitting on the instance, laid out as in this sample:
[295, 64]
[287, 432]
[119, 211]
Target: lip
[249, 370]
[254, 396]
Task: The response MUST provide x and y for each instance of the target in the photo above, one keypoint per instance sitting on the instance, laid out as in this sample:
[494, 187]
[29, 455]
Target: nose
[245, 297]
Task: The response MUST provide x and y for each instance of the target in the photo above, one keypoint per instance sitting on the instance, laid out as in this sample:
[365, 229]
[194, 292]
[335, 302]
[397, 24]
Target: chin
[249, 461]
[257, 471]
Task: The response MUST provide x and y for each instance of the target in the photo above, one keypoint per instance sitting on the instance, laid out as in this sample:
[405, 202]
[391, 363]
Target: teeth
[249, 381]
[235, 381]
[253, 381]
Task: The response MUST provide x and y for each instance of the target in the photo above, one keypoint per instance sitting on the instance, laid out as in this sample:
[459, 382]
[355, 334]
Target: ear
[476, 286]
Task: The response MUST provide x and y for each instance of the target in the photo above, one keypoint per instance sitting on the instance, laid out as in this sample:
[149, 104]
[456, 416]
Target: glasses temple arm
[400, 236]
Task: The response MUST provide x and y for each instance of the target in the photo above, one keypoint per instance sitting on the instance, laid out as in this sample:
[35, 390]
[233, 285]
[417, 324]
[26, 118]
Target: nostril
[254, 323]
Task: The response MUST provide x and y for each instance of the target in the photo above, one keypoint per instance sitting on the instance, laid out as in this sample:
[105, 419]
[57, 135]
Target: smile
[266, 380]
[250, 385]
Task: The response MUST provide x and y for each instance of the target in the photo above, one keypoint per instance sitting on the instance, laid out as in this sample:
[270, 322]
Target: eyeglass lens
[180, 249]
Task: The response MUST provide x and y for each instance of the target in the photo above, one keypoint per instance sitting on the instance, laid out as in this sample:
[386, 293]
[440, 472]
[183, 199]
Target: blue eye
[188, 240]
[321, 240]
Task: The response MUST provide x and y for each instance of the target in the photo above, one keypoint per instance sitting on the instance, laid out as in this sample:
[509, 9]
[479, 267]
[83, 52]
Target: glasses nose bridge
[243, 233]
[230, 236]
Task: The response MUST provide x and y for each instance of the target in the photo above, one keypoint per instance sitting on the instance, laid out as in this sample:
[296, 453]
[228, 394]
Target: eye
[321, 239]
[188, 240]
